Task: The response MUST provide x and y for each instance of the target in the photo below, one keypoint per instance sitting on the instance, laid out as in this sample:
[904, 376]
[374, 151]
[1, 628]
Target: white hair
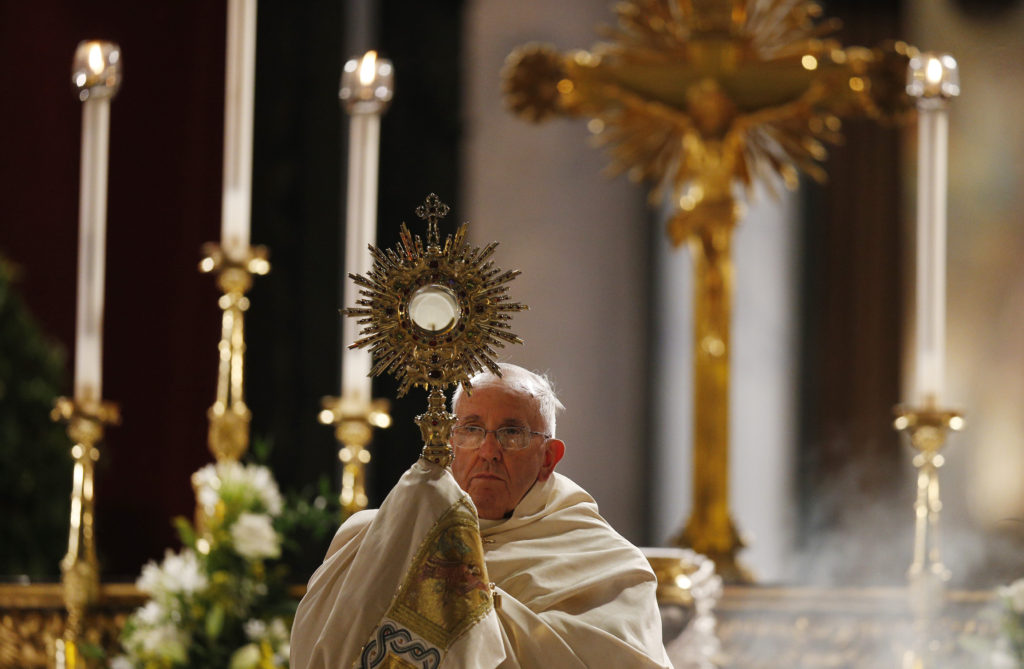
[522, 381]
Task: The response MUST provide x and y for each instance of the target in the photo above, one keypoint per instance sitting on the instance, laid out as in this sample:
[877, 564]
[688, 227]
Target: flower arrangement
[1009, 653]
[997, 640]
[221, 601]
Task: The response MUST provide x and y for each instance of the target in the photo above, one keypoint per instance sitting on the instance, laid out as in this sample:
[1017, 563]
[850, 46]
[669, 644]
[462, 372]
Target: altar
[756, 627]
[700, 469]
[805, 628]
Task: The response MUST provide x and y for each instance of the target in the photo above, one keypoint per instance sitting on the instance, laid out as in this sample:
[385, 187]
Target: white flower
[282, 654]
[207, 487]
[246, 657]
[255, 629]
[1002, 659]
[151, 615]
[254, 537]
[121, 662]
[263, 483]
[178, 574]
[163, 641]
[1013, 594]
[249, 484]
[278, 632]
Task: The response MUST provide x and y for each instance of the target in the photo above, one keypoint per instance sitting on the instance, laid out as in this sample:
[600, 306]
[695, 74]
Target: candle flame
[933, 71]
[368, 68]
[96, 63]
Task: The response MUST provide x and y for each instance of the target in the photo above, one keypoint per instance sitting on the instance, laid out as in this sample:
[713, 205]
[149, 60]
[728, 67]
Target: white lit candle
[367, 86]
[96, 76]
[932, 79]
[238, 111]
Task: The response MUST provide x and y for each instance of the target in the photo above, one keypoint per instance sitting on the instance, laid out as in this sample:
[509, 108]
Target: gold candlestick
[96, 76]
[367, 86]
[80, 573]
[698, 97]
[927, 576]
[353, 420]
[229, 416]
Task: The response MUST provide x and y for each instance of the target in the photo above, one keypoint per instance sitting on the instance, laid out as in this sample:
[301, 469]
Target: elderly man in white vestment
[521, 572]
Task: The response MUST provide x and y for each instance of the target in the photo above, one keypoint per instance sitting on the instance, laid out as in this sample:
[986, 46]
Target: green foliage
[308, 520]
[35, 464]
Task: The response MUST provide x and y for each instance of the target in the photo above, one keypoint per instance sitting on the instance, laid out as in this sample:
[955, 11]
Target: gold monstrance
[433, 315]
[699, 96]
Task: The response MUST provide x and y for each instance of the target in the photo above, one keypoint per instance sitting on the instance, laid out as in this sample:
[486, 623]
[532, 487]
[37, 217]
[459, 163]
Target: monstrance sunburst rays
[434, 314]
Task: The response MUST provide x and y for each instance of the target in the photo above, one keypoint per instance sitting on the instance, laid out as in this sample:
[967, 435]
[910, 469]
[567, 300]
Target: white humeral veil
[402, 586]
[571, 592]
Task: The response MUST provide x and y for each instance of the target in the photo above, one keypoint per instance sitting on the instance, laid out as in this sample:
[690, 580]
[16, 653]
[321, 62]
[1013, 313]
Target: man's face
[497, 479]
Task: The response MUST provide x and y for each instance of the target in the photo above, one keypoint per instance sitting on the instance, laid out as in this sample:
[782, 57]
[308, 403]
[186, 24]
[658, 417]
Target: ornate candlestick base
[353, 421]
[927, 576]
[229, 416]
[80, 568]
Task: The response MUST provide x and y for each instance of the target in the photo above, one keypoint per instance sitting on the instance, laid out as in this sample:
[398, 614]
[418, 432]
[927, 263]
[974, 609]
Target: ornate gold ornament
[433, 316]
[697, 97]
[927, 578]
[229, 416]
[353, 421]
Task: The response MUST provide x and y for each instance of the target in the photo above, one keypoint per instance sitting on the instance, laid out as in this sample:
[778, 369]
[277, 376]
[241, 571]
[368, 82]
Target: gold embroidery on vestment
[446, 588]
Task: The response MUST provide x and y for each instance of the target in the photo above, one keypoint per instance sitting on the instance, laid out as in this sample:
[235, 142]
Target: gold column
[700, 98]
[79, 567]
[229, 416]
[711, 525]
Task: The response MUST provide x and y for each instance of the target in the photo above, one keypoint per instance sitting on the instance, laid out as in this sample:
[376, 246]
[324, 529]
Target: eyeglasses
[510, 437]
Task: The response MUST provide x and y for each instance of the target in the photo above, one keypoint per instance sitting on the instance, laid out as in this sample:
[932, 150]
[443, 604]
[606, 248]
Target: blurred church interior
[822, 486]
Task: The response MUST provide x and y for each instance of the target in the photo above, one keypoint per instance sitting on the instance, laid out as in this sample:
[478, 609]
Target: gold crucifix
[697, 97]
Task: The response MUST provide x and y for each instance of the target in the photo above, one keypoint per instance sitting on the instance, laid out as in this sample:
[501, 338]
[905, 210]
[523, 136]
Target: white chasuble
[408, 586]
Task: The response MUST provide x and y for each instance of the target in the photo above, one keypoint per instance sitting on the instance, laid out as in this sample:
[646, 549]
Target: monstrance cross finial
[432, 210]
